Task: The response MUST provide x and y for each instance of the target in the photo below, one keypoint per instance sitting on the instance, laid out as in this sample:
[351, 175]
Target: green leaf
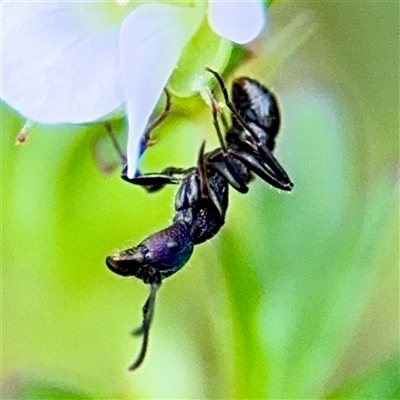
[381, 382]
[46, 391]
[310, 257]
[206, 49]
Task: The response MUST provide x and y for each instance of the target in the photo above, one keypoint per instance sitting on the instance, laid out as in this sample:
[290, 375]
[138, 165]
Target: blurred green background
[297, 297]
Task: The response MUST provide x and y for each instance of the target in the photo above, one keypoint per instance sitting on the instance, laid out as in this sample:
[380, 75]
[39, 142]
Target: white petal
[238, 21]
[59, 61]
[151, 42]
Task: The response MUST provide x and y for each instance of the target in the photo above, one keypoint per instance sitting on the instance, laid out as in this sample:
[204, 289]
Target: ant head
[258, 107]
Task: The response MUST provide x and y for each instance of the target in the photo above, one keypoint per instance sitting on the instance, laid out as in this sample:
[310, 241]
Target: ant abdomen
[162, 253]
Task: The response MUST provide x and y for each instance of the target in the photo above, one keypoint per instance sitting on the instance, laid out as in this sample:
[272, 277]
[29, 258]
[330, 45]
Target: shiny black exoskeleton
[202, 198]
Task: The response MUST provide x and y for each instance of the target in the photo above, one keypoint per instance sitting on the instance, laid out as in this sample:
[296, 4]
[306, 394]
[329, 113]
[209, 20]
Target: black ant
[202, 198]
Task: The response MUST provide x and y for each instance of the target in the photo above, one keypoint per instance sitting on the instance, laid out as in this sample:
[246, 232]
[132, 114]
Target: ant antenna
[231, 106]
[215, 109]
[266, 153]
[148, 312]
[223, 118]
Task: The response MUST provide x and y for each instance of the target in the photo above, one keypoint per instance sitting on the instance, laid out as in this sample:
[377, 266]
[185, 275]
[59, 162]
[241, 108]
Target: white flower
[77, 62]
[238, 21]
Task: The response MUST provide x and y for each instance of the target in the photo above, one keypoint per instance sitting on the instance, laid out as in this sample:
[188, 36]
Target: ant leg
[235, 178]
[146, 141]
[111, 134]
[205, 190]
[153, 182]
[148, 312]
[157, 121]
[202, 169]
